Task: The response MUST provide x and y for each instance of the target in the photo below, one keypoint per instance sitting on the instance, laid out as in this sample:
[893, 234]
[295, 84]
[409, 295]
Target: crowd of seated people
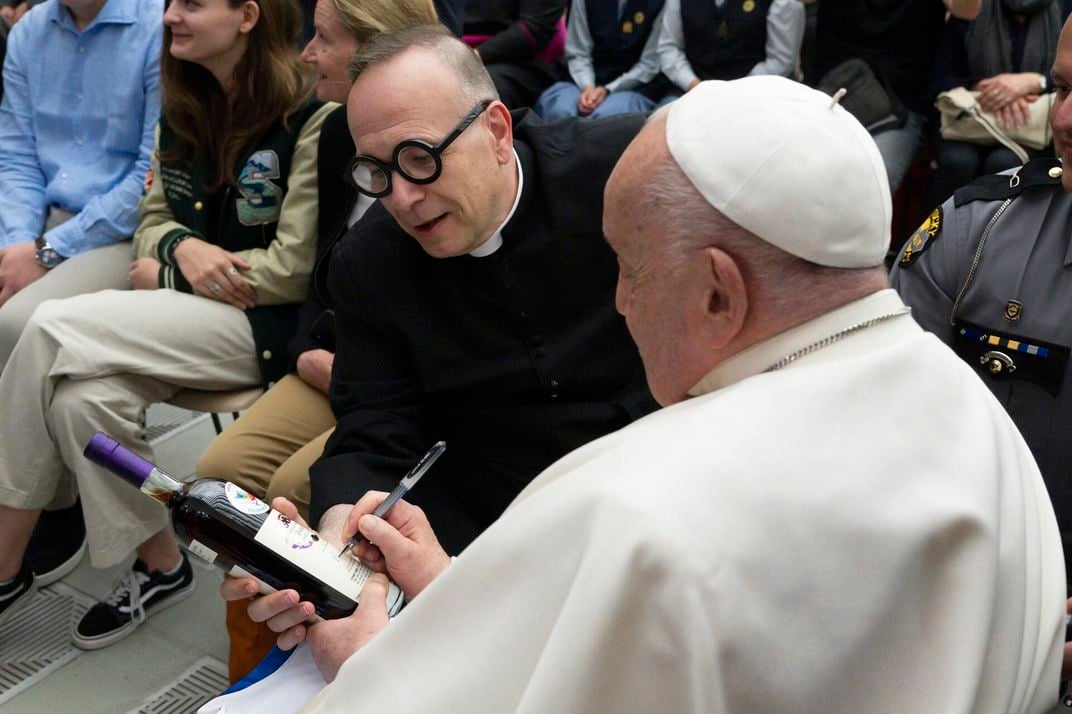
[183, 205]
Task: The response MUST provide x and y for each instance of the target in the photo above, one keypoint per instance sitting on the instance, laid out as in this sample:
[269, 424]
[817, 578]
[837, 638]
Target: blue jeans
[899, 148]
[560, 101]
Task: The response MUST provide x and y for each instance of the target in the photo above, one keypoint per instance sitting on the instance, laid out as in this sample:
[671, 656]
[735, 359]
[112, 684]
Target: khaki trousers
[268, 452]
[94, 363]
[89, 272]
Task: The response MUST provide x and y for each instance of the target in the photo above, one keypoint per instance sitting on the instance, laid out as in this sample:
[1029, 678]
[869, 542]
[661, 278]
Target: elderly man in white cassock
[831, 513]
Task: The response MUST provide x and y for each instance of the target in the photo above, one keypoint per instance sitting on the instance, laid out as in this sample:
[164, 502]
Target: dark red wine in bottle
[223, 524]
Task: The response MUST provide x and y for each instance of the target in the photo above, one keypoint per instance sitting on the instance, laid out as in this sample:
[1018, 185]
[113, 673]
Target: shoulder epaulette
[998, 187]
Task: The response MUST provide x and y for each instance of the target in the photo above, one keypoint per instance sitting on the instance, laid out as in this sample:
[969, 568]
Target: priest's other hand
[403, 546]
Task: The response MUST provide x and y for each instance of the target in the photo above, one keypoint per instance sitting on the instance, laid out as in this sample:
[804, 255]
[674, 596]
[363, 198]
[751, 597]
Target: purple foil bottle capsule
[105, 451]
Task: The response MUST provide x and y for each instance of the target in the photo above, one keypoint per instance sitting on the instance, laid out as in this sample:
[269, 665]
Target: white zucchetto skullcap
[786, 163]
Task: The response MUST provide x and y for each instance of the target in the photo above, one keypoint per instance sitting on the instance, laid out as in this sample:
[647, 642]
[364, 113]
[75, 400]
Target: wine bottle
[223, 524]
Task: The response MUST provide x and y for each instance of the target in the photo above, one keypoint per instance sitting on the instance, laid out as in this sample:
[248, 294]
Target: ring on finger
[214, 287]
[232, 272]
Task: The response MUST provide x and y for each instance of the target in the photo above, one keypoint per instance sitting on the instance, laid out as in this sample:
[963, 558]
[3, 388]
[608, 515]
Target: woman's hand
[213, 273]
[144, 274]
[1003, 89]
[1015, 114]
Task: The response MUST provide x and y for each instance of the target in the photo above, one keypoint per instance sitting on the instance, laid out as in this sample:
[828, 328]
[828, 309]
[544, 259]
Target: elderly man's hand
[403, 545]
[333, 641]
[18, 268]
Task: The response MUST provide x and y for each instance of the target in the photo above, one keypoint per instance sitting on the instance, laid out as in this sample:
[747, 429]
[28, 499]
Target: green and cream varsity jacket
[268, 217]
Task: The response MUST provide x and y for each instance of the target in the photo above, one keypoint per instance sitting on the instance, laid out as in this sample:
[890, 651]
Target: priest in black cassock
[475, 300]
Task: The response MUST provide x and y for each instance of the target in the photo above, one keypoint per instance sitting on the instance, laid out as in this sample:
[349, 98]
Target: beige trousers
[94, 363]
[268, 451]
[97, 269]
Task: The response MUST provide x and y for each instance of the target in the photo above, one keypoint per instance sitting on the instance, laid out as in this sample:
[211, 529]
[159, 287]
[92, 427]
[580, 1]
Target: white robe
[863, 530]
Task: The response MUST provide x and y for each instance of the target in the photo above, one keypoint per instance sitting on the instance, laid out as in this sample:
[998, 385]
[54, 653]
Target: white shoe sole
[63, 570]
[20, 602]
[102, 641]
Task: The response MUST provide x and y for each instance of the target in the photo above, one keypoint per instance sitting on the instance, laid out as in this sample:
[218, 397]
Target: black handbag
[867, 98]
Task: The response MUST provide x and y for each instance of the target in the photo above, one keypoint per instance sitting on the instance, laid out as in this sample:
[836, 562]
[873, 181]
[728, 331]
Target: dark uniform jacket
[267, 216]
[724, 42]
[990, 273]
[514, 359]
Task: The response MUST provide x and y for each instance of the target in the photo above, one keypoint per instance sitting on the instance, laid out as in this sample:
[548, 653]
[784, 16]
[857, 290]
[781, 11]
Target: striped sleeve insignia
[922, 238]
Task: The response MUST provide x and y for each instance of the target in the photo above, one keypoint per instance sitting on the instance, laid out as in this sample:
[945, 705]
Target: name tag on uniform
[1004, 356]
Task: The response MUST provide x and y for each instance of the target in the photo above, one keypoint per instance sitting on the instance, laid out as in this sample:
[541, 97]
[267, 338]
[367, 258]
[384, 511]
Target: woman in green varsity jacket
[225, 251]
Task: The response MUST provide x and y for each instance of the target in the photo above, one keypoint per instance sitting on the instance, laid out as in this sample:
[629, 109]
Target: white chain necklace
[831, 339]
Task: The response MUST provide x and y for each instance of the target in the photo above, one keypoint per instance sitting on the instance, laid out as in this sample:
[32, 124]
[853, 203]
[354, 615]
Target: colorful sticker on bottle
[244, 500]
[202, 551]
[308, 551]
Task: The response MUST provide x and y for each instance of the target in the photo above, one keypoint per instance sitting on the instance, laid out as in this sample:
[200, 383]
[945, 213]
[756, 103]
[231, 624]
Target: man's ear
[251, 13]
[501, 126]
[726, 298]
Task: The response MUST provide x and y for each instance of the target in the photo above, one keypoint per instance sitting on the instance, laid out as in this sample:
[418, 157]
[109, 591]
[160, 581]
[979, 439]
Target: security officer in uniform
[990, 273]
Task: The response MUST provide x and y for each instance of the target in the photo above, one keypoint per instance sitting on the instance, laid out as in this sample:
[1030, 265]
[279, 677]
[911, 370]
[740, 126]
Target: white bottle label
[308, 551]
[202, 551]
[244, 501]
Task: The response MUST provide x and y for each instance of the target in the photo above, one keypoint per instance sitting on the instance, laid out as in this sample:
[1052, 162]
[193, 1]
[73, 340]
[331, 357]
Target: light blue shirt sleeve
[22, 184]
[77, 132]
[785, 35]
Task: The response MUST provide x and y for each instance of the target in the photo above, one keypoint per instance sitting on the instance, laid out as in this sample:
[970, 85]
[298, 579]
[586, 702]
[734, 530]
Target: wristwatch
[47, 257]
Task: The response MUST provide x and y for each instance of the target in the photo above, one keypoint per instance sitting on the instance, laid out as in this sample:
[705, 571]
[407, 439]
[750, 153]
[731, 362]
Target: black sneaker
[17, 592]
[136, 595]
[57, 545]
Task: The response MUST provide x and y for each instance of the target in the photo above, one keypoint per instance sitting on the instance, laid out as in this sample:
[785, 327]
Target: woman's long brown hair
[271, 83]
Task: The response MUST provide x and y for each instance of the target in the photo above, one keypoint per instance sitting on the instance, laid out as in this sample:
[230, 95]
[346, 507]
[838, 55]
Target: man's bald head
[448, 52]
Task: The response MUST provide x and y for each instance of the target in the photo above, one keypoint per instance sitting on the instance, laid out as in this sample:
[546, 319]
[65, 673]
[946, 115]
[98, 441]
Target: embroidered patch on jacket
[922, 238]
[260, 198]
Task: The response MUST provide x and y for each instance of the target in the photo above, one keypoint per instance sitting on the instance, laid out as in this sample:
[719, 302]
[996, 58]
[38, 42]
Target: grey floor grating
[200, 683]
[37, 641]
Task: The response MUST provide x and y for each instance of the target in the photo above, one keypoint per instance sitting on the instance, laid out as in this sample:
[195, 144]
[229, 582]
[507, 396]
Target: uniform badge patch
[1013, 309]
[922, 238]
[260, 198]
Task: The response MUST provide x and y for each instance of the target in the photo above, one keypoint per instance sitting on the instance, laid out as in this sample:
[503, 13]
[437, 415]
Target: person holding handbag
[1005, 55]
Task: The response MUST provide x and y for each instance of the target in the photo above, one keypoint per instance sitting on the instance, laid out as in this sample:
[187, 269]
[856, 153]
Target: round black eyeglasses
[416, 161]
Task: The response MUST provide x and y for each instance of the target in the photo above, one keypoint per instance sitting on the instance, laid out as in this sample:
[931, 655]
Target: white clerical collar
[763, 355]
[495, 242]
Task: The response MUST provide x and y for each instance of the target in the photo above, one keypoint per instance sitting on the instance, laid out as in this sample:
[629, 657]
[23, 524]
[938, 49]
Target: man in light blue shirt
[81, 101]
